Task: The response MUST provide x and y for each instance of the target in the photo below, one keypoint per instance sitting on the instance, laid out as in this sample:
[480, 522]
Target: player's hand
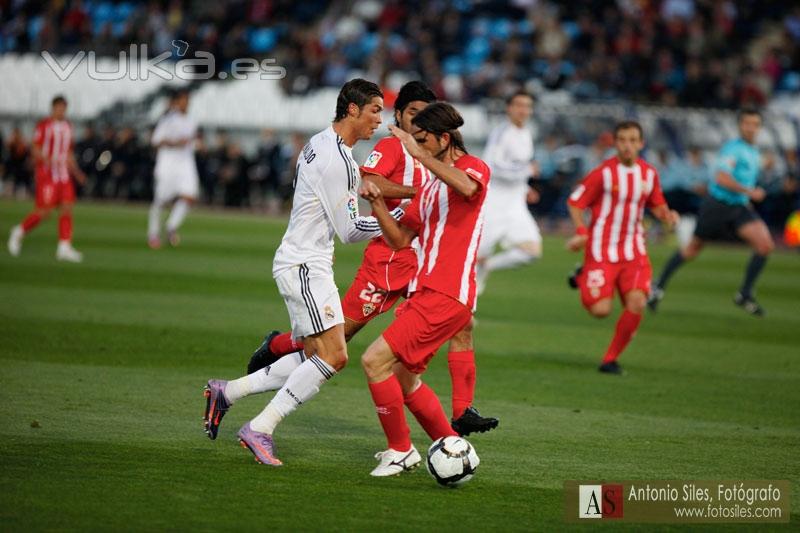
[673, 217]
[577, 243]
[369, 191]
[533, 196]
[81, 178]
[413, 149]
[757, 195]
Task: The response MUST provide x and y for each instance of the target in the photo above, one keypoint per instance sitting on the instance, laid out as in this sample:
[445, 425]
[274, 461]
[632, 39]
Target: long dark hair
[439, 118]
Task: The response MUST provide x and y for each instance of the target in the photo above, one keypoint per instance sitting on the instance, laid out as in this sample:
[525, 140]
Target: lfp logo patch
[352, 207]
[600, 501]
[373, 159]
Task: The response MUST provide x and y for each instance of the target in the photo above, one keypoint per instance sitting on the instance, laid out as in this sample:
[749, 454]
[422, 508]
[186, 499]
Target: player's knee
[600, 309]
[337, 359]
[636, 305]
[532, 249]
[462, 340]
[408, 382]
[691, 250]
[765, 246]
[370, 363]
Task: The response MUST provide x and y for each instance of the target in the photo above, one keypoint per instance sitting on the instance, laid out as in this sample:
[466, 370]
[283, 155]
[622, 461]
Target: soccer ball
[452, 461]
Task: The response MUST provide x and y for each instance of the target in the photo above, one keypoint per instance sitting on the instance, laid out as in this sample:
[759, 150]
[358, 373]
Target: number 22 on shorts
[371, 294]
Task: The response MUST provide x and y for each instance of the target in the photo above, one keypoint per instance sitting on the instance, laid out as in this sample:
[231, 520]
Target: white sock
[270, 378]
[302, 385]
[685, 229]
[154, 219]
[178, 213]
[509, 259]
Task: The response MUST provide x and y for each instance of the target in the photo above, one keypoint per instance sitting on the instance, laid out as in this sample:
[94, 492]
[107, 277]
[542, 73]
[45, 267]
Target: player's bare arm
[724, 179]
[455, 178]
[577, 241]
[669, 217]
[38, 155]
[75, 170]
[389, 189]
[395, 235]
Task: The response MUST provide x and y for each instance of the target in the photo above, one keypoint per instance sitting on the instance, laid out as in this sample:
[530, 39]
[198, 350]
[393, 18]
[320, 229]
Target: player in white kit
[176, 169]
[325, 204]
[508, 223]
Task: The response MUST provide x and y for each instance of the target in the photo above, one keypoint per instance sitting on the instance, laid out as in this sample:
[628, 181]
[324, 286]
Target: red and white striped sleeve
[38, 133]
[656, 196]
[588, 190]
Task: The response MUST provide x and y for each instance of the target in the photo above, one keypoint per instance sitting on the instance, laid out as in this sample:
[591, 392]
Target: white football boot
[394, 463]
[15, 241]
[65, 252]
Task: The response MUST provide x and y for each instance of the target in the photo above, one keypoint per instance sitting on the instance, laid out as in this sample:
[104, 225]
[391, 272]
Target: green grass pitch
[103, 366]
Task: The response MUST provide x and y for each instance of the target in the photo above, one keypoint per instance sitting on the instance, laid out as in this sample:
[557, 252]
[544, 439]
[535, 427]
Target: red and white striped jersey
[617, 195]
[390, 159]
[54, 139]
[449, 228]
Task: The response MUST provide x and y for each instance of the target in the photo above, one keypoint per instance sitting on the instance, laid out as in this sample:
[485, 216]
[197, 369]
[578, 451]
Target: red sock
[283, 344]
[462, 374]
[65, 227]
[388, 398]
[30, 222]
[426, 408]
[627, 325]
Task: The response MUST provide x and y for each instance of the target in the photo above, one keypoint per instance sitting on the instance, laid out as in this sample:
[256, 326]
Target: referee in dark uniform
[728, 213]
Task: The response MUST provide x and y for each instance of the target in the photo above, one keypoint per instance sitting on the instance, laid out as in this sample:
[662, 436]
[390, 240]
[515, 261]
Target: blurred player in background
[55, 162]
[385, 274]
[617, 193]
[509, 223]
[325, 204]
[175, 171]
[728, 213]
[447, 216]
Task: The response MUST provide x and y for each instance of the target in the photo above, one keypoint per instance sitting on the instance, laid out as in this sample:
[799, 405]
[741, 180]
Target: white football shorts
[178, 182]
[507, 225]
[312, 300]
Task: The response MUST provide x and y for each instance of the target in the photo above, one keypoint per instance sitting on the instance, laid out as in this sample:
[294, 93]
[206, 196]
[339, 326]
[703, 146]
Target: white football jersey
[175, 126]
[325, 204]
[509, 153]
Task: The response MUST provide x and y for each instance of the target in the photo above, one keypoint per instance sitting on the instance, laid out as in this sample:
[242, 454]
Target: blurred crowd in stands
[716, 53]
[120, 163]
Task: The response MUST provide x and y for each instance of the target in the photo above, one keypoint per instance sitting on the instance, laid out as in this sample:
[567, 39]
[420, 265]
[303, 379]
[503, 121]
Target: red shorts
[423, 324]
[381, 280]
[51, 193]
[598, 280]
